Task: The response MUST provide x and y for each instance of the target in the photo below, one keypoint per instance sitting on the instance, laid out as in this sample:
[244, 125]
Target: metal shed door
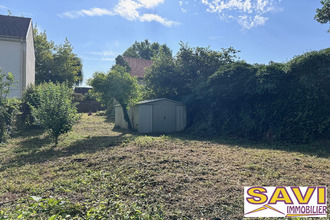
[163, 119]
[145, 119]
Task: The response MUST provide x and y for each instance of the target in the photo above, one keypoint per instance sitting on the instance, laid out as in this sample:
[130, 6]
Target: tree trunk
[126, 117]
[56, 140]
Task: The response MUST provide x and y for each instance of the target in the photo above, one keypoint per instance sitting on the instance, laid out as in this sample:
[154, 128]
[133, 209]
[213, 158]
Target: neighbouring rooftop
[138, 66]
[11, 26]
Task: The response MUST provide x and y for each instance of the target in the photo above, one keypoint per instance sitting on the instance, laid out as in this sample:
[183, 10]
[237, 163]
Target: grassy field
[100, 172]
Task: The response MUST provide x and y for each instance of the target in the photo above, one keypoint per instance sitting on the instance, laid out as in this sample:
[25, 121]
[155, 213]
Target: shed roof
[138, 66]
[11, 26]
[155, 100]
[81, 89]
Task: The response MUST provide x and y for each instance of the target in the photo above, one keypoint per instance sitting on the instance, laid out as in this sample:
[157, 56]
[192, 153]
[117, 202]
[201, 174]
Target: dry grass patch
[97, 171]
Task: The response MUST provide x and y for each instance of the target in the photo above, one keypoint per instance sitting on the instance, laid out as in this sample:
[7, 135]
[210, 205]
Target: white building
[17, 52]
[154, 116]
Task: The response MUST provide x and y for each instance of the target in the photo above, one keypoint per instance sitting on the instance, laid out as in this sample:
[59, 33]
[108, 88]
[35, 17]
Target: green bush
[8, 118]
[90, 96]
[280, 101]
[8, 107]
[287, 102]
[55, 111]
[77, 96]
[307, 105]
[30, 99]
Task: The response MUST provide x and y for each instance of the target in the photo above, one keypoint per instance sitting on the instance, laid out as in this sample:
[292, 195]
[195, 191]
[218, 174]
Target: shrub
[8, 107]
[55, 111]
[8, 116]
[30, 99]
[77, 96]
[90, 96]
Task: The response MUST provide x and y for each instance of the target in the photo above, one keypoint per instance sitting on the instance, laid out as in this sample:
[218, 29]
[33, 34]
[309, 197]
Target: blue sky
[99, 30]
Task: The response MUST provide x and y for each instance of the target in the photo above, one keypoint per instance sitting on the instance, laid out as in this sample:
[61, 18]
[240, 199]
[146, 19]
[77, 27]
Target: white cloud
[248, 13]
[97, 58]
[248, 22]
[183, 6]
[151, 3]
[3, 7]
[90, 12]
[154, 17]
[97, 12]
[104, 55]
[128, 9]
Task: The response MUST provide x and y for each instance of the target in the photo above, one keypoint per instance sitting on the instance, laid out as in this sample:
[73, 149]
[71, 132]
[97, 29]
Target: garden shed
[154, 116]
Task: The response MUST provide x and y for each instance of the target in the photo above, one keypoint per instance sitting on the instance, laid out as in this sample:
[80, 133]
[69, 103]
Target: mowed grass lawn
[97, 172]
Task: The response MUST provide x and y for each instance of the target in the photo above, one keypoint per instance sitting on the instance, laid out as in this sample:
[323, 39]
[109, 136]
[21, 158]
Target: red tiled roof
[138, 66]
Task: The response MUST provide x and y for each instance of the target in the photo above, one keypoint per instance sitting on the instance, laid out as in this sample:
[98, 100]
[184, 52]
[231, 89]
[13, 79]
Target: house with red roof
[138, 67]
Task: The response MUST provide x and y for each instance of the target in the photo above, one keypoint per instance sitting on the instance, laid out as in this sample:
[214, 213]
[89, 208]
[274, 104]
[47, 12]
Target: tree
[121, 62]
[117, 84]
[323, 15]
[184, 77]
[55, 111]
[55, 63]
[44, 55]
[79, 68]
[162, 78]
[146, 50]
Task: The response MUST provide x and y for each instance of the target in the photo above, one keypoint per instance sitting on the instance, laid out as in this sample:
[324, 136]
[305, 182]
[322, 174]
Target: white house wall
[30, 59]
[11, 60]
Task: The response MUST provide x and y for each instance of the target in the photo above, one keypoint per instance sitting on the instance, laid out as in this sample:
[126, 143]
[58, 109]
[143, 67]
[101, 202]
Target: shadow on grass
[31, 152]
[37, 149]
[318, 149]
[29, 132]
[33, 144]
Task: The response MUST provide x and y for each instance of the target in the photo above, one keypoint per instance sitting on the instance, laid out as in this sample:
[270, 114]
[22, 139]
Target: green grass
[97, 172]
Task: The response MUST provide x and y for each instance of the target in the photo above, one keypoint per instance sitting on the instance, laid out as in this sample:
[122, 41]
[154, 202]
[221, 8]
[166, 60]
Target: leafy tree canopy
[323, 14]
[187, 73]
[56, 63]
[121, 62]
[146, 50]
[117, 85]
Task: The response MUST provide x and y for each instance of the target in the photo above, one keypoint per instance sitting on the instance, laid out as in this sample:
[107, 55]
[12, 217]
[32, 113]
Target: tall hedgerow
[288, 102]
[280, 101]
